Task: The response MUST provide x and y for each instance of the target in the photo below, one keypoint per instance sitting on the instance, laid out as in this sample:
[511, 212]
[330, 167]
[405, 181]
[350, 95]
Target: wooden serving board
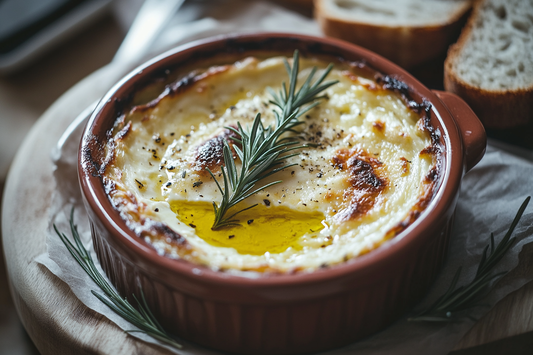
[60, 324]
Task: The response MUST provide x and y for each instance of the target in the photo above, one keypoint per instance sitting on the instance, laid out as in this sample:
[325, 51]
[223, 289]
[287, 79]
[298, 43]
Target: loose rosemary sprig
[142, 318]
[464, 297]
[263, 150]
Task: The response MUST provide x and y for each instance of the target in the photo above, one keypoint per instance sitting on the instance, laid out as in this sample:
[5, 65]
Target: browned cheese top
[370, 169]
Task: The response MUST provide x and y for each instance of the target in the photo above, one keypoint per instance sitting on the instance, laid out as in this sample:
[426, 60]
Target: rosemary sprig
[464, 297]
[142, 318]
[263, 149]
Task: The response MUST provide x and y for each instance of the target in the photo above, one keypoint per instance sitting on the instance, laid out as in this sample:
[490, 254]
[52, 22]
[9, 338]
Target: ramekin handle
[470, 127]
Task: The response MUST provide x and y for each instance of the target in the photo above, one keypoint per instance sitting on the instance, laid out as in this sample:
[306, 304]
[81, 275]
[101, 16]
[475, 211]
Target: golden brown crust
[495, 108]
[366, 178]
[137, 217]
[406, 46]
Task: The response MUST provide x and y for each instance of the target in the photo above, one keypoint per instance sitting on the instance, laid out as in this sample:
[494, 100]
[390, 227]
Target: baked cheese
[367, 172]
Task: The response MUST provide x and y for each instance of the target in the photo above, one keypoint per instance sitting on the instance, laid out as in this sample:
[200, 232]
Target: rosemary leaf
[263, 150]
[141, 318]
[458, 299]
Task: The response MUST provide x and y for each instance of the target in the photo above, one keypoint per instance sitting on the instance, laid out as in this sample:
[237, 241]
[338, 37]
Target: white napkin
[490, 196]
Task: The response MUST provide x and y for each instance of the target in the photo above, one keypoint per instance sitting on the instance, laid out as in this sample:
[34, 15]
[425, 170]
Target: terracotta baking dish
[296, 313]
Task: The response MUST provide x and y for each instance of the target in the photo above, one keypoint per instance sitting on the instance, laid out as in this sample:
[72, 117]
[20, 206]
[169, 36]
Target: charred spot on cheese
[391, 83]
[432, 175]
[429, 151]
[163, 231]
[405, 165]
[365, 184]
[210, 154]
[379, 126]
[371, 166]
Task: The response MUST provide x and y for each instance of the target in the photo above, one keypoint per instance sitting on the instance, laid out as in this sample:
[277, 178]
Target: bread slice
[408, 32]
[491, 65]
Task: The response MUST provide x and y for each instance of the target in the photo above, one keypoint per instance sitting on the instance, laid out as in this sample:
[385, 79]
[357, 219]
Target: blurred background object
[152, 17]
[30, 28]
[408, 32]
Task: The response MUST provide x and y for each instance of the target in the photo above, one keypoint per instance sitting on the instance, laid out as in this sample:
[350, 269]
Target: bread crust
[404, 45]
[498, 109]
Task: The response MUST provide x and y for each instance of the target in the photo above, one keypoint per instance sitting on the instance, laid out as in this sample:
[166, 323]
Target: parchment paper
[490, 196]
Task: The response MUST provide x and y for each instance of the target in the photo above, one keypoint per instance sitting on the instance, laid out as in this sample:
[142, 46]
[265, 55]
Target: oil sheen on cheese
[285, 227]
[354, 187]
